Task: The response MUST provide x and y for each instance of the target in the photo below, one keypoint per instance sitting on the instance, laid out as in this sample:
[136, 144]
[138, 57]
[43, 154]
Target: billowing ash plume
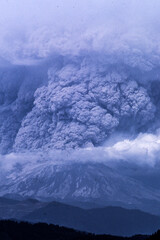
[66, 84]
[75, 102]
[80, 107]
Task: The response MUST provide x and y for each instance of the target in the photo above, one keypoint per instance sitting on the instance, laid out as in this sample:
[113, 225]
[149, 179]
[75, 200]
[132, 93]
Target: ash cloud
[72, 84]
[81, 108]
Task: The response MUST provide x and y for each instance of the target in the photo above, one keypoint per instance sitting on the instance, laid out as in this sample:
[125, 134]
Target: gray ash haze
[79, 82]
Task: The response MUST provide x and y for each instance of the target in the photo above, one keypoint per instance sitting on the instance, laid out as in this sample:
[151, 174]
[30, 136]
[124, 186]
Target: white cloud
[143, 150]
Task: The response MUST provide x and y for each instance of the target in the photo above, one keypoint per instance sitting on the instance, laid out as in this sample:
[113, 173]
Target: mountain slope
[84, 182]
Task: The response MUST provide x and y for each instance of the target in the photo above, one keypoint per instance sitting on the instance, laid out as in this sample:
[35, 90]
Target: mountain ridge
[106, 220]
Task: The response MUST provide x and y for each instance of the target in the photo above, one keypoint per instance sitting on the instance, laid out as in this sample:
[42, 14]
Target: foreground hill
[10, 230]
[155, 236]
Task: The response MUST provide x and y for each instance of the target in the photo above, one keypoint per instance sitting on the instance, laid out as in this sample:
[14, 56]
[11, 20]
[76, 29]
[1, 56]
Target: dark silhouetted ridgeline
[155, 236]
[11, 230]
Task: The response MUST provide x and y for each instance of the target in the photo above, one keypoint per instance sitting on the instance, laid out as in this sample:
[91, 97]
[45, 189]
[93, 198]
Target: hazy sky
[33, 28]
[62, 12]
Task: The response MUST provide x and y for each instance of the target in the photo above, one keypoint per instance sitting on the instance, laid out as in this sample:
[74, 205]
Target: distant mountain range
[11, 208]
[107, 220]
